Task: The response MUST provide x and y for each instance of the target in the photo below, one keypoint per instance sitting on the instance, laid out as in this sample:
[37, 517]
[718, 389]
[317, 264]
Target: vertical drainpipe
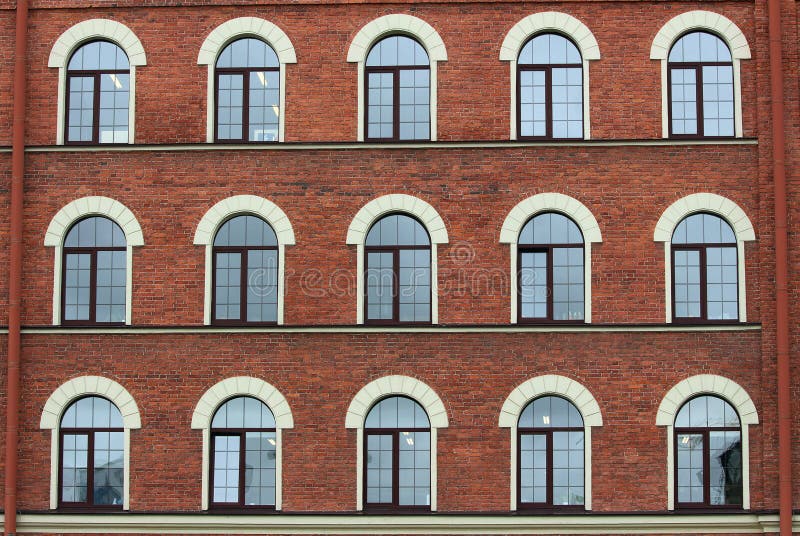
[781, 269]
[15, 267]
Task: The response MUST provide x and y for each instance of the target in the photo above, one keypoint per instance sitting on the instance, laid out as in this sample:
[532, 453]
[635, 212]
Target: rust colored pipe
[781, 270]
[15, 267]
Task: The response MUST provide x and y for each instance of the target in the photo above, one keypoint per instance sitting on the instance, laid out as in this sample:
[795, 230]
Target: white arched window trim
[82, 208]
[552, 202]
[550, 21]
[714, 204]
[397, 23]
[707, 384]
[720, 26]
[81, 33]
[228, 31]
[379, 389]
[236, 205]
[375, 210]
[552, 384]
[230, 388]
[63, 397]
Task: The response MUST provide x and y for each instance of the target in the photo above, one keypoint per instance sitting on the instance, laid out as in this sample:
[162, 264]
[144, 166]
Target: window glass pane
[397, 412]
[700, 47]
[259, 474]
[683, 100]
[379, 468]
[227, 286]
[95, 232]
[725, 471]
[247, 53]
[549, 49]
[397, 50]
[550, 228]
[262, 286]
[75, 467]
[225, 468]
[689, 466]
[243, 412]
[99, 55]
[414, 473]
[108, 468]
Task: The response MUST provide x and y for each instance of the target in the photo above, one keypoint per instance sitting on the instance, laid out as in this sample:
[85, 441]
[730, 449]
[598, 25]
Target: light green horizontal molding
[660, 328]
[411, 524]
[373, 146]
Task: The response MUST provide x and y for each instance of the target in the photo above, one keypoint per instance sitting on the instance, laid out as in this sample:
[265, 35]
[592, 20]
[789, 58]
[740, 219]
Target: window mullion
[93, 287]
[396, 284]
[242, 466]
[396, 101]
[699, 79]
[96, 109]
[703, 283]
[243, 285]
[548, 95]
[549, 450]
[550, 296]
[396, 468]
[90, 468]
[246, 105]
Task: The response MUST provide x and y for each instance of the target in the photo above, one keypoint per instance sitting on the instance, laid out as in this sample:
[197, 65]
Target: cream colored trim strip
[363, 329]
[344, 146]
[422, 524]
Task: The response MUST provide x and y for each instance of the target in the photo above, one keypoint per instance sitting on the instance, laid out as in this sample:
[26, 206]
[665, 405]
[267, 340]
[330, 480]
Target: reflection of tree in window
[94, 279]
[551, 277]
[248, 92]
[398, 271]
[91, 454]
[705, 272]
[398, 455]
[708, 447]
[398, 90]
[700, 87]
[243, 454]
[551, 454]
[98, 94]
[550, 88]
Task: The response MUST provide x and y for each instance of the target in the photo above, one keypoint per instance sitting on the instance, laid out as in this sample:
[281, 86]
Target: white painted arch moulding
[704, 202]
[700, 20]
[397, 22]
[90, 29]
[524, 210]
[550, 384]
[706, 384]
[395, 385]
[246, 26]
[82, 386]
[242, 386]
[549, 21]
[244, 204]
[375, 209]
[93, 206]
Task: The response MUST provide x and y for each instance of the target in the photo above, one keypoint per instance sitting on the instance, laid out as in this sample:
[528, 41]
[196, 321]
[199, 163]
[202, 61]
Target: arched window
[551, 278]
[398, 271]
[550, 91]
[708, 453]
[248, 92]
[551, 454]
[705, 273]
[94, 275]
[245, 272]
[98, 94]
[92, 455]
[243, 454]
[701, 101]
[398, 90]
[398, 454]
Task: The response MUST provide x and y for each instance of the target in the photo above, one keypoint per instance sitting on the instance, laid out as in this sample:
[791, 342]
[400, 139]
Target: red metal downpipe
[15, 267]
[781, 269]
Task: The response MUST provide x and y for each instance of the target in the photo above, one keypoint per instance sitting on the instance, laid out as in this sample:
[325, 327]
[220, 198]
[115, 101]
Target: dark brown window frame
[395, 69]
[704, 431]
[697, 66]
[548, 249]
[395, 433]
[93, 251]
[242, 250]
[547, 68]
[89, 504]
[97, 74]
[702, 248]
[241, 433]
[395, 250]
[245, 73]
[548, 433]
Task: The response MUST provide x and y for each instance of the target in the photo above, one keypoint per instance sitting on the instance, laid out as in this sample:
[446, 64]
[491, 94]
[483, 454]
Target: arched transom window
[701, 87]
[94, 276]
[708, 453]
[98, 94]
[398, 454]
[243, 454]
[245, 272]
[550, 89]
[398, 90]
[705, 273]
[92, 459]
[551, 265]
[398, 271]
[248, 92]
[551, 454]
